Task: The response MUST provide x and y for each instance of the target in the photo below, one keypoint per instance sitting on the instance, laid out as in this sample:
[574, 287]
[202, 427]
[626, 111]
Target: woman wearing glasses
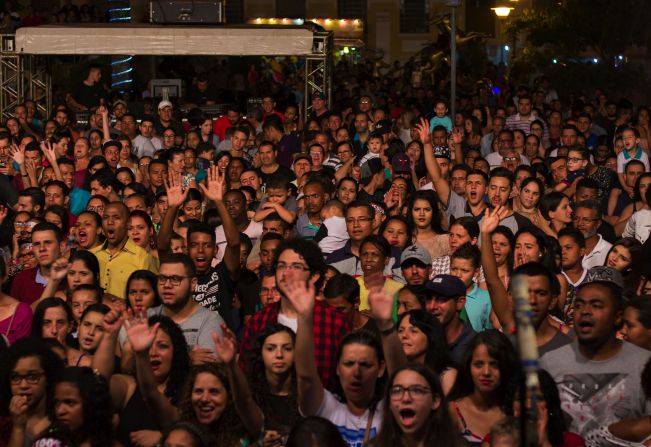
[418, 411]
[28, 376]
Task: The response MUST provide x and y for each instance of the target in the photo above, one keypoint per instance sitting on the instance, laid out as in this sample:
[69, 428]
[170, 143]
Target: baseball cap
[442, 152]
[163, 104]
[401, 163]
[370, 168]
[416, 252]
[110, 143]
[382, 127]
[446, 286]
[319, 95]
[118, 102]
[604, 275]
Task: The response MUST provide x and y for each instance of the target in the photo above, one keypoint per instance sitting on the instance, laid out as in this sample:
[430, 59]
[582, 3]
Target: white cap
[163, 104]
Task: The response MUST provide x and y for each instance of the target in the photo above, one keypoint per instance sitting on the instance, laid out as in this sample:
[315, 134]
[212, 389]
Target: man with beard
[119, 256]
[176, 280]
[598, 375]
[416, 265]
[587, 219]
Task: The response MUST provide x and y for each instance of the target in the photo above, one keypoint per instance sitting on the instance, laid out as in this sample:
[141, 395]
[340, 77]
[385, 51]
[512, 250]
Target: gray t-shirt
[198, 327]
[595, 394]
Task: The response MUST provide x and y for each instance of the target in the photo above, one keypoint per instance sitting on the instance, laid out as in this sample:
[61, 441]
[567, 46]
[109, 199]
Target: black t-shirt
[215, 291]
[282, 171]
[200, 98]
[90, 96]
[248, 291]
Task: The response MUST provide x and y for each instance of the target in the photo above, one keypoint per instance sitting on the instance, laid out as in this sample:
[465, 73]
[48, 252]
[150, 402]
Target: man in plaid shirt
[300, 260]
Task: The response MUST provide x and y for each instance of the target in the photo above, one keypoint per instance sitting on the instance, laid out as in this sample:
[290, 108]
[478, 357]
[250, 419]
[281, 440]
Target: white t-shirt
[291, 323]
[254, 231]
[352, 428]
[494, 159]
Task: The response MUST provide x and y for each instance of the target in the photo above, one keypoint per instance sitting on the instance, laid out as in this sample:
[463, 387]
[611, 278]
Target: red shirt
[219, 127]
[330, 327]
[25, 288]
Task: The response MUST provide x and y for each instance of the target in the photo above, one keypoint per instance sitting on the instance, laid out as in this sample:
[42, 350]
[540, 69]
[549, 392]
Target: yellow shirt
[390, 285]
[114, 270]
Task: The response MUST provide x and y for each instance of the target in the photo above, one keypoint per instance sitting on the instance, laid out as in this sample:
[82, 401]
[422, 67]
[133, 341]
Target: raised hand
[114, 320]
[381, 304]
[102, 110]
[301, 295]
[216, 181]
[174, 188]
[492, 219]
[59, 269]
[226, 345]
[457, 135]
[18, 154]
[141, 336]
[423, 131]
[48, 150]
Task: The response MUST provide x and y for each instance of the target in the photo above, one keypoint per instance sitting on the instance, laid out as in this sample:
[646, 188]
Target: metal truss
[22, 77]
[318, 69]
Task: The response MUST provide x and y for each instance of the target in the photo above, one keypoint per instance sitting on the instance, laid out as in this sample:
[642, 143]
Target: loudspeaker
[187, 12]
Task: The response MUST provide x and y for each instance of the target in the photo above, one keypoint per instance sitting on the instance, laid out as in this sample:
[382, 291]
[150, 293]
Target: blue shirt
[478, 308]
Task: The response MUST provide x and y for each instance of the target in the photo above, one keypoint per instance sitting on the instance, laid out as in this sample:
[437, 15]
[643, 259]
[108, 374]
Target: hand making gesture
[216, 188]
[141, 336]
[174, 188]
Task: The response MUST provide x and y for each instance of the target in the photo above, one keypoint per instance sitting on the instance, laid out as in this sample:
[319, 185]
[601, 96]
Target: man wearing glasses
[504, 147]
[301, 260]
[176, 281]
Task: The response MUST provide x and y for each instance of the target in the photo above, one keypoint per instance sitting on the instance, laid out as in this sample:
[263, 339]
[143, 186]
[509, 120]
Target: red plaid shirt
[330, 327]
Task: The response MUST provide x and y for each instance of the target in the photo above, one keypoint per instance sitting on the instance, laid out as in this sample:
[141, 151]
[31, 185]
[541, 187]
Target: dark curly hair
[96, 405]
[228, 428]
[27, 347]
[310, 252]
[180, 357]
[259, 384]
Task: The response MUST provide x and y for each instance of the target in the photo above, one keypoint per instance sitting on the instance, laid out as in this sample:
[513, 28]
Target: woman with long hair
[626, 256]
[141, 231]
[29, 370]
[396, 230]
[425, 219]
[636, 327]
[423, 341]
[556, 210]
[526, 202]
[503, 244]
[639, 202]
[15, 316]
[273, 379]
[418, 413]
[347, 190]
[81, 268]
[82, 405]
[472, 133]
[478, 399]
[147, 402]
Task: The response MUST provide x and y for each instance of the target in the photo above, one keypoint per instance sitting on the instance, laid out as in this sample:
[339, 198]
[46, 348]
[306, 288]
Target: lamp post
[453, 4]
[502, 12]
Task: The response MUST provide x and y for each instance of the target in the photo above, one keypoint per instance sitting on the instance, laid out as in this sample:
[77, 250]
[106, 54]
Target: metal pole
[453, 62]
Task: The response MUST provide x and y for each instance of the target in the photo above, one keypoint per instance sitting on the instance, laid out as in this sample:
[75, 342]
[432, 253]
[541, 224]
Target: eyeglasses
[415, 391]
[24, 224]
[175, 280]
[31, 378]
[264, 291]
[295, 267]
[511, 159]
[578, 219]
[359, 220]
[574, 159]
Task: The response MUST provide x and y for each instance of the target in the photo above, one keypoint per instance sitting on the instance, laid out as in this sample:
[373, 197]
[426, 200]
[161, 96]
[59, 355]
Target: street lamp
[502, 12]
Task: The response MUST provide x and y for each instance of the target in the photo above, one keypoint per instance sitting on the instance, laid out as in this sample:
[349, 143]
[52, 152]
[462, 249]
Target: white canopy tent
[23, 73]
[163, 40]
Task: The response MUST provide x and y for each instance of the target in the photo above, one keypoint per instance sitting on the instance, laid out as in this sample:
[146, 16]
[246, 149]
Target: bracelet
[387, 332]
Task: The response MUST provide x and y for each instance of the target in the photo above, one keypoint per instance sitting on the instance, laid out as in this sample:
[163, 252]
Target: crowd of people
[337, 279]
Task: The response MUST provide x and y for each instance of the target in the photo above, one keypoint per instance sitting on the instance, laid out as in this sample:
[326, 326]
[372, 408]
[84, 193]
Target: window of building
[352, 9]
[292, 9]
[413, 16]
